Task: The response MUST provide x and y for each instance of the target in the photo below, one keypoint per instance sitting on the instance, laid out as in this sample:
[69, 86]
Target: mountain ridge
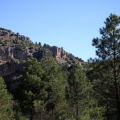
[16, 49]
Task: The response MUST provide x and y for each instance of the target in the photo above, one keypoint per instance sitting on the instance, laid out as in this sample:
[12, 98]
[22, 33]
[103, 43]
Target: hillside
[15, 49]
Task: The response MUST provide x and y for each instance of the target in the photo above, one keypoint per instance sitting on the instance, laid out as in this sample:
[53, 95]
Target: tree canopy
[6, 103]
[108, 52]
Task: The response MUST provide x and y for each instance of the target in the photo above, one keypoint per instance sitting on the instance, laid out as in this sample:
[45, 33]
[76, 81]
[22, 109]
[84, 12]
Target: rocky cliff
[15, 49]
[8, 53]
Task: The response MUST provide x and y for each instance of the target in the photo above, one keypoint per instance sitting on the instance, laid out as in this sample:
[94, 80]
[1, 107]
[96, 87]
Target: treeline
[46, 92]
[91, 92]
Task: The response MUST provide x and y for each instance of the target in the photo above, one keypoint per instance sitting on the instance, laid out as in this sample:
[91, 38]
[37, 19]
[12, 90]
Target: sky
[71, 24]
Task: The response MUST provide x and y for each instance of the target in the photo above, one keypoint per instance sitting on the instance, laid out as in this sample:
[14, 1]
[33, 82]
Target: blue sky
[71, 24]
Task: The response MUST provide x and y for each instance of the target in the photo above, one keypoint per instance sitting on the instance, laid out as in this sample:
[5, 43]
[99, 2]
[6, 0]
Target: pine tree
[55, 101]
[31, 89]
[6, 103]
[108, 52]
[101, 79]
[79, 94]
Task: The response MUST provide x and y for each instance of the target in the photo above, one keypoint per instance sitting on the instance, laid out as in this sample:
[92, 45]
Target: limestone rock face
[20, 54]
[8, 53]
[59, 54]
[15, 49]
[5, 54]
[10, 59]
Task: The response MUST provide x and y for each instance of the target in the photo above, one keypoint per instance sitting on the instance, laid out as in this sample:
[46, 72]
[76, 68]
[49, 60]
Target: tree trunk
[77, 111]
[117, 100]
[53, 115]
[31, 115]
[108, 118]
[116, 83]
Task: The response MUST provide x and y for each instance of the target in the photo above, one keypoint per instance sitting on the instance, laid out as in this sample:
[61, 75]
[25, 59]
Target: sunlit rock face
[59, 54]
[8, 53]
[15, 49]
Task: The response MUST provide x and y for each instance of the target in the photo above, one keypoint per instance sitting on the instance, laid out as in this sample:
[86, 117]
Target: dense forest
[49, 90]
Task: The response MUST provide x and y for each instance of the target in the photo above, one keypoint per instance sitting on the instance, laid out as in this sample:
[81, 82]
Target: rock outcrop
[59, 54]
[64, 57]
[16, 48]
[8, 53]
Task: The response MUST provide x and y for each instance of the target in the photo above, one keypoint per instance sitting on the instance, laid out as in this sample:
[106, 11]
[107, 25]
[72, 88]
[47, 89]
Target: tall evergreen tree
[6, 103]
[101, 79]
[79, 94]
[108, 52]
[31, 89]
[55, 101]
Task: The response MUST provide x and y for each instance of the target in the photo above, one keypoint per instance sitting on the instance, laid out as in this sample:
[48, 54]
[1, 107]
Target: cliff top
[16, 46]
